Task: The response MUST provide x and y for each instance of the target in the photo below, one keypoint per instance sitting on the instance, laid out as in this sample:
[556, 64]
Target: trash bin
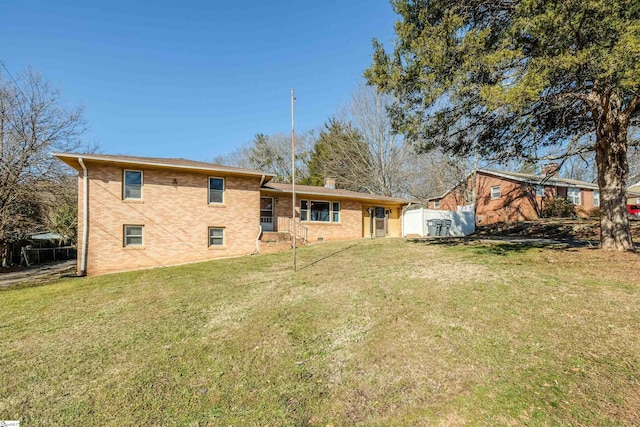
[432, 228]
[446, 224]
[439, 227]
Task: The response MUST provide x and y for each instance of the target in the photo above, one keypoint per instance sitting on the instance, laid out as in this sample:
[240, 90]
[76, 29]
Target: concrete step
[275, 237]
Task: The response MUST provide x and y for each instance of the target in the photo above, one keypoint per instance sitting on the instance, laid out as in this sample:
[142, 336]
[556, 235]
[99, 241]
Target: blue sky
[195, 79]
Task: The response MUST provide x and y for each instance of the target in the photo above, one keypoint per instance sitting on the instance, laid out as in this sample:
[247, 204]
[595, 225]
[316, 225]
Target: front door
[380, 222]
[266, 213]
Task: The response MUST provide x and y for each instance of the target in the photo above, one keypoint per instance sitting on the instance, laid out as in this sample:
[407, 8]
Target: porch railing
[300, 231]
[287, 225]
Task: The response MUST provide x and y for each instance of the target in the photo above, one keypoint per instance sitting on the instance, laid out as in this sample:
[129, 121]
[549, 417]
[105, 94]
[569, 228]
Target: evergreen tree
[515, 77]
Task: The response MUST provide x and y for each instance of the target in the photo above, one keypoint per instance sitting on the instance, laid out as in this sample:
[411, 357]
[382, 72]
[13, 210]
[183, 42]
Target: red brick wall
[517, 201]
[518, 198]
[175, 218]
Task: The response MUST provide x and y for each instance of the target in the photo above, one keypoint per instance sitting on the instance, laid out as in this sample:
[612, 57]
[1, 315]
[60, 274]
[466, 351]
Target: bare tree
[33, 123]
[359, 148]
[272, 153]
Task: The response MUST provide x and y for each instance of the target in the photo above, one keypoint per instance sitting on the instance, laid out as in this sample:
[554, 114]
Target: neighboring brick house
[512, 196]
[146, 212]
[633, 191]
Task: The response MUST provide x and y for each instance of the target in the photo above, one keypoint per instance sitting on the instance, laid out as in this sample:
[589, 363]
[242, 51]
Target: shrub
[558, 208]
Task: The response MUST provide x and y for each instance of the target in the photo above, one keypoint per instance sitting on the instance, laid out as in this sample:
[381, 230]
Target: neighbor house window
[596, 198]
[573, 196]
[540, 190]
[496, 192]
[304, 210]
[216, 236]
[132, 185]
[216, 190]
[335, 212]
[133, 235]
[436, 204]
[320, 211]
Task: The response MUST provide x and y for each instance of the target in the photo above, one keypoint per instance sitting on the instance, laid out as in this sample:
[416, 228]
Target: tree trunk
[613, 170]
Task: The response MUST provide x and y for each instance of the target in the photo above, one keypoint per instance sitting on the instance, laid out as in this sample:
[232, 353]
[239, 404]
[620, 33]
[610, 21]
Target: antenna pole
[293, 180]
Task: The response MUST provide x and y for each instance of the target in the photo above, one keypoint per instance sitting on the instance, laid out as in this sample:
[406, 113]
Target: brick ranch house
[140, 212]
[512, 196]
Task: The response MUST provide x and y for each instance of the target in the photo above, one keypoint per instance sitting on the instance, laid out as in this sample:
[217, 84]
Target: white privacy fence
[414, 220]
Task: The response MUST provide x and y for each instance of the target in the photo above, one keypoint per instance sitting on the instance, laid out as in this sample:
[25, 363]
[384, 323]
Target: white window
[539, 190]
[596, 198]
[216, 190]
[436, 204]
[319, 211]
[216, 236]
[496, 192]
[133, 235]
[573, 196]
[335, 212]
[132, 184]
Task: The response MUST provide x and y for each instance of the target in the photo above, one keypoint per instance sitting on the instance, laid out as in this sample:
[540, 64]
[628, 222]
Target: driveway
[41, 273]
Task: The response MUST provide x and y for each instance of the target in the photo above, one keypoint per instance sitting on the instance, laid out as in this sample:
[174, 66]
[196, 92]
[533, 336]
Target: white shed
[414, 220]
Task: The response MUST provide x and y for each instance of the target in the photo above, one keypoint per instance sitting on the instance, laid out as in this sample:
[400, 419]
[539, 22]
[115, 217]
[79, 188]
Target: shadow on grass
[504, 246]
[311, 264]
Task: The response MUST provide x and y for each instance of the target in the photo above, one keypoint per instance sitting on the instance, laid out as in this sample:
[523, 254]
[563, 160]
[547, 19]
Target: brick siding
[175, 213]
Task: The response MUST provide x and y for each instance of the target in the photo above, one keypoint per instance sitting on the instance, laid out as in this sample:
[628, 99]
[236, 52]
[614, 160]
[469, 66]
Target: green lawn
[384, 332]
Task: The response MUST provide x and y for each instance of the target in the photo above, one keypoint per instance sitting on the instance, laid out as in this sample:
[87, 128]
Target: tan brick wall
[175, 218]
[349, 226]
[354, 217]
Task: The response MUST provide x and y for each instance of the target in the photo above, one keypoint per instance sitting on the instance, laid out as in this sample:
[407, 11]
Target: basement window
[216, 236]
[133, 235]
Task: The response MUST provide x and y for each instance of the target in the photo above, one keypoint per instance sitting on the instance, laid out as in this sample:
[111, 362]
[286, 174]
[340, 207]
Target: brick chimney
[551, 169]
[330, 183]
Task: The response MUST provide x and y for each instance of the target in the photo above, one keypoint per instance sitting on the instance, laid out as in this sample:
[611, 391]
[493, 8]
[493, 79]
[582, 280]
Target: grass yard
[386, 332]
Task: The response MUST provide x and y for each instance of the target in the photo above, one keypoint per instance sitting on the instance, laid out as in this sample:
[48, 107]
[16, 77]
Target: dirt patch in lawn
[582, 229]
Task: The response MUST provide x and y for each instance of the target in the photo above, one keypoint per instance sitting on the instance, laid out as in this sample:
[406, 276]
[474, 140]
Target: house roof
[552, 181]
[170, 163]
[310, 190]
[541, 179]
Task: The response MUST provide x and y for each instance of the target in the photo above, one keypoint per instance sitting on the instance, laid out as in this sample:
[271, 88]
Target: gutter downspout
[85, 218]
[258, 240]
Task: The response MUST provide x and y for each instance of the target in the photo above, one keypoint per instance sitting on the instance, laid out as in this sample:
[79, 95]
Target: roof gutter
[85, 217]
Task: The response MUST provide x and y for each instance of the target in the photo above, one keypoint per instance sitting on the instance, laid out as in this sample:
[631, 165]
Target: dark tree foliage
[512, 78]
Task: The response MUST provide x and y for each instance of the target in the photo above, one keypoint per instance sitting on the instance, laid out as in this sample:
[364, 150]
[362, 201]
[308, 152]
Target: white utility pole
[293, 180]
